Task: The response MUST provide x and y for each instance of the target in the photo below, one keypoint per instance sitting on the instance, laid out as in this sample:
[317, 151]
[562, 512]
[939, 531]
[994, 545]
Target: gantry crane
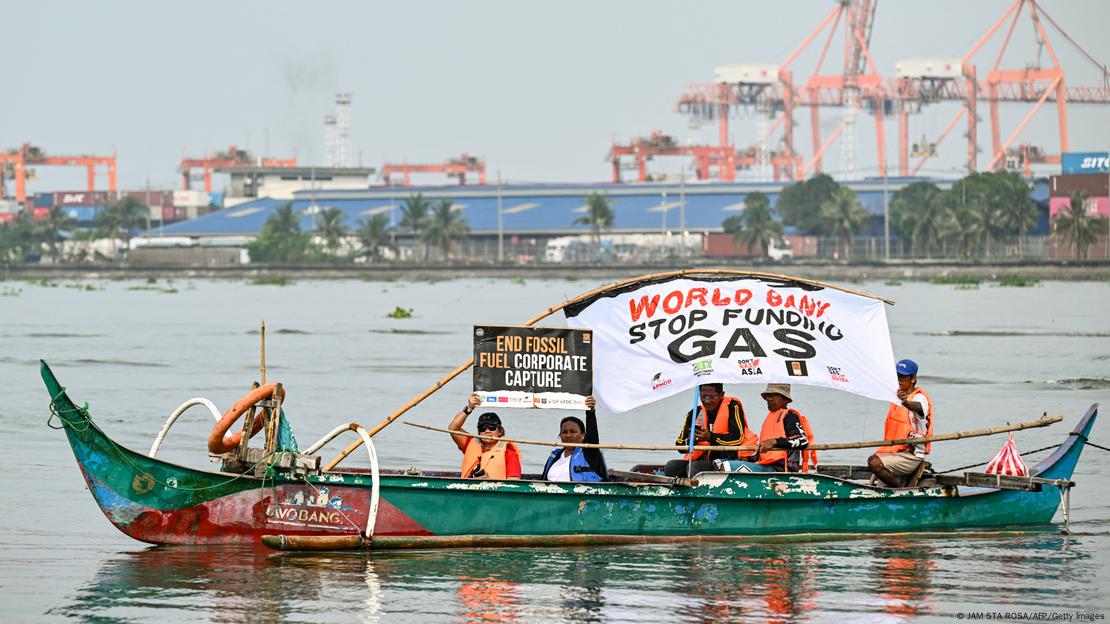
[14, 163]
[454, 167]
[770, 89]
[1035, 84]
[233, 157]
[708, 159]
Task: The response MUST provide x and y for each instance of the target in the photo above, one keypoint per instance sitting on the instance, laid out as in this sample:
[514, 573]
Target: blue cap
[906, 367]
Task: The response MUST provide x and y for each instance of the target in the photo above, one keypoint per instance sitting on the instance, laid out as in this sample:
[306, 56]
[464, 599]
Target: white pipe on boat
[179, 411]
[372, 518]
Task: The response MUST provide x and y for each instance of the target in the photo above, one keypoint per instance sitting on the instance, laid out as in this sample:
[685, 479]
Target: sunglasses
[487, 428]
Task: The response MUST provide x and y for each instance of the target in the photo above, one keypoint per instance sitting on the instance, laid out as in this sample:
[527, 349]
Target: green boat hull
[160, 502]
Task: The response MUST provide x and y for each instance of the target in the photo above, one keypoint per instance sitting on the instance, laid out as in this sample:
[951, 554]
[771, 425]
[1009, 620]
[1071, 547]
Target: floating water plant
[270, 281]
[400, 313]
[1017, 281]
[956, 280]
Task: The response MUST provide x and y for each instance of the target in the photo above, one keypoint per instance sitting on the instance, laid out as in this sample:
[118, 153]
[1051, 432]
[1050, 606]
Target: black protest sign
[533, 367]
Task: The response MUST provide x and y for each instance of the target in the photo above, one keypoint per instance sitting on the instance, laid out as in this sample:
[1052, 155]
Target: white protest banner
[655, 338]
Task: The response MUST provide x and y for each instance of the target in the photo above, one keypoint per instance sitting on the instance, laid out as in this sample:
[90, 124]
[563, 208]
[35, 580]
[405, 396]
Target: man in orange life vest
[785, 433]
[912, 418]
[485, 459]
[729, 427]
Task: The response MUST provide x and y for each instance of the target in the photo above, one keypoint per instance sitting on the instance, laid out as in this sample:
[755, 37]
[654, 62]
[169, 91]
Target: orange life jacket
[491, 461]
[773, 428]
[898, 425]
[720, 425]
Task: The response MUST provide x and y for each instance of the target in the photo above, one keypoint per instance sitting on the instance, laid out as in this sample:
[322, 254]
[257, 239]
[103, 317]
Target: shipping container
[722, 246]
[7, 217]
[169, 213]
[82, 198]
[157, 199]
[1084, 162]
[44, 200]
[1093, 184]
[40, 214]
[190, 199]
[1095, 206]
[9, 206]
[84, 214]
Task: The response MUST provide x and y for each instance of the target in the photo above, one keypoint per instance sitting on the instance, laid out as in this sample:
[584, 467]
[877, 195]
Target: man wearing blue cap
[912, 418]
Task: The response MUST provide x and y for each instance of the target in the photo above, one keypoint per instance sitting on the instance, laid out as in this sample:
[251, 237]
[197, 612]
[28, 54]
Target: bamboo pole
[262, 361]
[353, 446]
[1041, 422]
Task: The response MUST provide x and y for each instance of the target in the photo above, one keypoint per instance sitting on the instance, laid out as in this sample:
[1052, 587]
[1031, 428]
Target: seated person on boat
[729, 428]
[913, 418]
[574, 463]
[485, 459]
[784, 436]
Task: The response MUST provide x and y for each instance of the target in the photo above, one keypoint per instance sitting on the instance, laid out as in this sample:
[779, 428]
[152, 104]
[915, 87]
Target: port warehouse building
[544, 211]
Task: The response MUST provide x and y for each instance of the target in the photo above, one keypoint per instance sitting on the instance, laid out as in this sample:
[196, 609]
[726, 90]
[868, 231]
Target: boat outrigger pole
[553, 309]
[959, 435]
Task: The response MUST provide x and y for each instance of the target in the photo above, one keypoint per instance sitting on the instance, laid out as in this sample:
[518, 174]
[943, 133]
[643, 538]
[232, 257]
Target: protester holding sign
[485, 459]
[574, 463]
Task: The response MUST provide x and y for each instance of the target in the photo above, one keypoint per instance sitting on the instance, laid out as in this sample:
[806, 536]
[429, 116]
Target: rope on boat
[121, 453]
[988, 461]
[1087, 441]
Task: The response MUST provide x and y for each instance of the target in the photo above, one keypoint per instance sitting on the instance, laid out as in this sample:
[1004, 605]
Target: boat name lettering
[307, 515]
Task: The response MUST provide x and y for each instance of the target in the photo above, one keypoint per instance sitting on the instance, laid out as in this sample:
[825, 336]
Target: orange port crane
[708, 159]
[454, 167]
[1032, 84]
[770, 90]
[233, 157]
[14, 163]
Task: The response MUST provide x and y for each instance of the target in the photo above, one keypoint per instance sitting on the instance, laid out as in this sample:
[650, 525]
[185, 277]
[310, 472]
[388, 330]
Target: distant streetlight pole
[500, 223]
[886, 218]
[682, 209]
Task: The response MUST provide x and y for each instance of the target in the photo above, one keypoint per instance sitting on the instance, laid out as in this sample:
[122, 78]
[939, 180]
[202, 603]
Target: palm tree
[1016, 212]
[281, 239]
[920, 214]
[444, 227]
[373, 234]
[754, 227]
[414, 217]
[841, 215]
[331, 228]
[1079, 228]
[121, 218]
[57, 221]
[599, 215]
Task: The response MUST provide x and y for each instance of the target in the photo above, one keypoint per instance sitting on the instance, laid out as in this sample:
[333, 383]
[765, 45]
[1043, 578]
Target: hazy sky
[538, 89]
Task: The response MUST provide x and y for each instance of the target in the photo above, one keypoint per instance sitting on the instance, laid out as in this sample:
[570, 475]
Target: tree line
[963, 221]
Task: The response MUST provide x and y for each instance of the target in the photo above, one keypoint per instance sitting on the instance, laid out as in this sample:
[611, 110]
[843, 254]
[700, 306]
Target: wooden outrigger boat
[286, 500]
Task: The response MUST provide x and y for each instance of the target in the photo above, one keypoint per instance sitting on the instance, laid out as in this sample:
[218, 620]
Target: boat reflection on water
[903, 570]
[766, 582]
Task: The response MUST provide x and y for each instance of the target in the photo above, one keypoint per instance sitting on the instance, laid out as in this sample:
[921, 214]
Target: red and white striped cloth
[1008, 461]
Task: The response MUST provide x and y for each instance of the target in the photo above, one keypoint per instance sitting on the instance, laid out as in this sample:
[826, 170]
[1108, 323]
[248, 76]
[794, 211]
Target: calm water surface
[988, 356]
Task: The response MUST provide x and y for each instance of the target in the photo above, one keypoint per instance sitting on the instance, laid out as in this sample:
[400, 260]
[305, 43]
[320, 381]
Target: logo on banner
[586, 337]
[703, 368]
[836, 375]
[796, 368]
[502, 399]
[750, 367]
[658, 382]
